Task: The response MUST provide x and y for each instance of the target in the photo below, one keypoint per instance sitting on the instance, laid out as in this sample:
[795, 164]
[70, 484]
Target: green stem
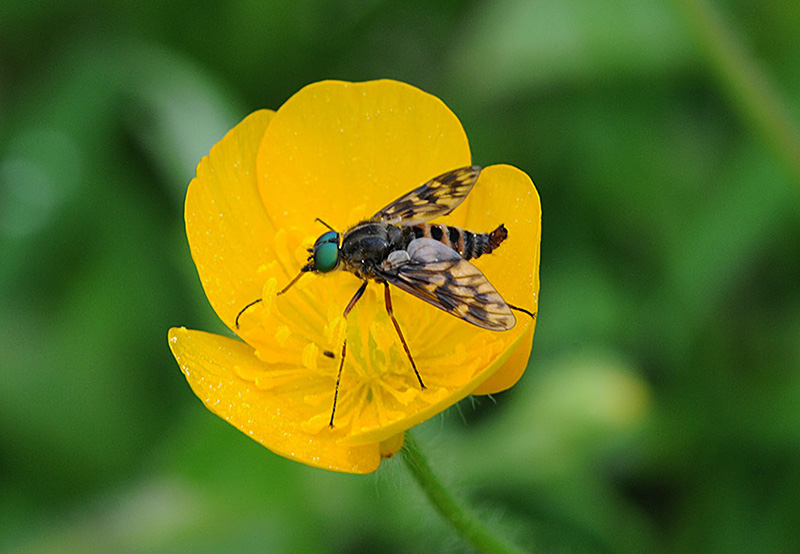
[745, 83]
[464, 522]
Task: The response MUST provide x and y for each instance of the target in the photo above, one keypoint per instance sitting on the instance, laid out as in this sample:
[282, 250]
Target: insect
[431, 261]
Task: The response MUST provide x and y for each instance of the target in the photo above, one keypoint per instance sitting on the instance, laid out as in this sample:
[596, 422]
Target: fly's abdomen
[468, 244]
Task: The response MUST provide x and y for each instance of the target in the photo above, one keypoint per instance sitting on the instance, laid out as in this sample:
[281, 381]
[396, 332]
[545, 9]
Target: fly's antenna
[287, 287]
[251, 304]
[305, 269]
[326, 225]
[293, 281]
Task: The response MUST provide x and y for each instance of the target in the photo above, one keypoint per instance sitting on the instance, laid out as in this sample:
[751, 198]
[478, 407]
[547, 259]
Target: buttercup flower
[340, 152]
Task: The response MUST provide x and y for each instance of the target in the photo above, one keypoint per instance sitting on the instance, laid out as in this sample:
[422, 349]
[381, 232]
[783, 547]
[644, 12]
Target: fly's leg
[523, 310]
[356, 297]
[390, 311]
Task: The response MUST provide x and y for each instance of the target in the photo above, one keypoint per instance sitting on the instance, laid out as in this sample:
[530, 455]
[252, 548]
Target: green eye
[326, 257]
[330, 236]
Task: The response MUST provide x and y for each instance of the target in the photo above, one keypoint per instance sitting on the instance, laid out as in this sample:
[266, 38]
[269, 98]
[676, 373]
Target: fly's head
[324, 255]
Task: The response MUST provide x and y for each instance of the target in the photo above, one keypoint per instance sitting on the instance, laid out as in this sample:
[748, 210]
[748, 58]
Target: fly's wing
[437, 197]
[436, 274]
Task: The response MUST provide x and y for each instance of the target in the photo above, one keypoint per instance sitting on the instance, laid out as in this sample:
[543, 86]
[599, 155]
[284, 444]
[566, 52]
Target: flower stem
[745, 83]
[464, 522]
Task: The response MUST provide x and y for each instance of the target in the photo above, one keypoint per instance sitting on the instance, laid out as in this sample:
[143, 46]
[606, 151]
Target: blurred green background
[661, 408]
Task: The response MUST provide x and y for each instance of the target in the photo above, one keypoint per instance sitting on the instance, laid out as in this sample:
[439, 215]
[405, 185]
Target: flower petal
[511, 371]
[392, 445]
[504, 194]
[342, 151]
[227, 227]
[225, 374]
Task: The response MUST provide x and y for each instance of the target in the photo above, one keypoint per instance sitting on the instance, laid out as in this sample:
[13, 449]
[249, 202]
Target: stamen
[282, 334]
[309, 356]
[268, 295]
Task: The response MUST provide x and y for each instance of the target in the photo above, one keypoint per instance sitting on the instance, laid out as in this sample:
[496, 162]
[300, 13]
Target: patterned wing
[436, 274]
[437, 197]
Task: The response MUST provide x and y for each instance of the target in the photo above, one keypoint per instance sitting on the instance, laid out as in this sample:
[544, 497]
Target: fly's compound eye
[326, 252]
[330, 236]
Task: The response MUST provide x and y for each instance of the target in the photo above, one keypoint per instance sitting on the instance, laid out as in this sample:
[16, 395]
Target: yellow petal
[504, 194]
[342, 151]
[228, 230]
[226, 375]
[392, 445]
[511, 371]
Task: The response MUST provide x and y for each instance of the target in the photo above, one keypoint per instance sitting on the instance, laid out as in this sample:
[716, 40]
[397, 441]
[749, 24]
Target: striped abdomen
[468, 244]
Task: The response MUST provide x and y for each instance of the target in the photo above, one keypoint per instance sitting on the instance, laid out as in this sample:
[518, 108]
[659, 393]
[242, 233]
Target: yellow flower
[342, 151]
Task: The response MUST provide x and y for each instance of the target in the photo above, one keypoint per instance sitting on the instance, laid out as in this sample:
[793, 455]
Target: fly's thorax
[367, 244]
[468, 244]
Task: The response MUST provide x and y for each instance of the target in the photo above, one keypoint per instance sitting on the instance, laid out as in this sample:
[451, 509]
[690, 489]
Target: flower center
[299, 335]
